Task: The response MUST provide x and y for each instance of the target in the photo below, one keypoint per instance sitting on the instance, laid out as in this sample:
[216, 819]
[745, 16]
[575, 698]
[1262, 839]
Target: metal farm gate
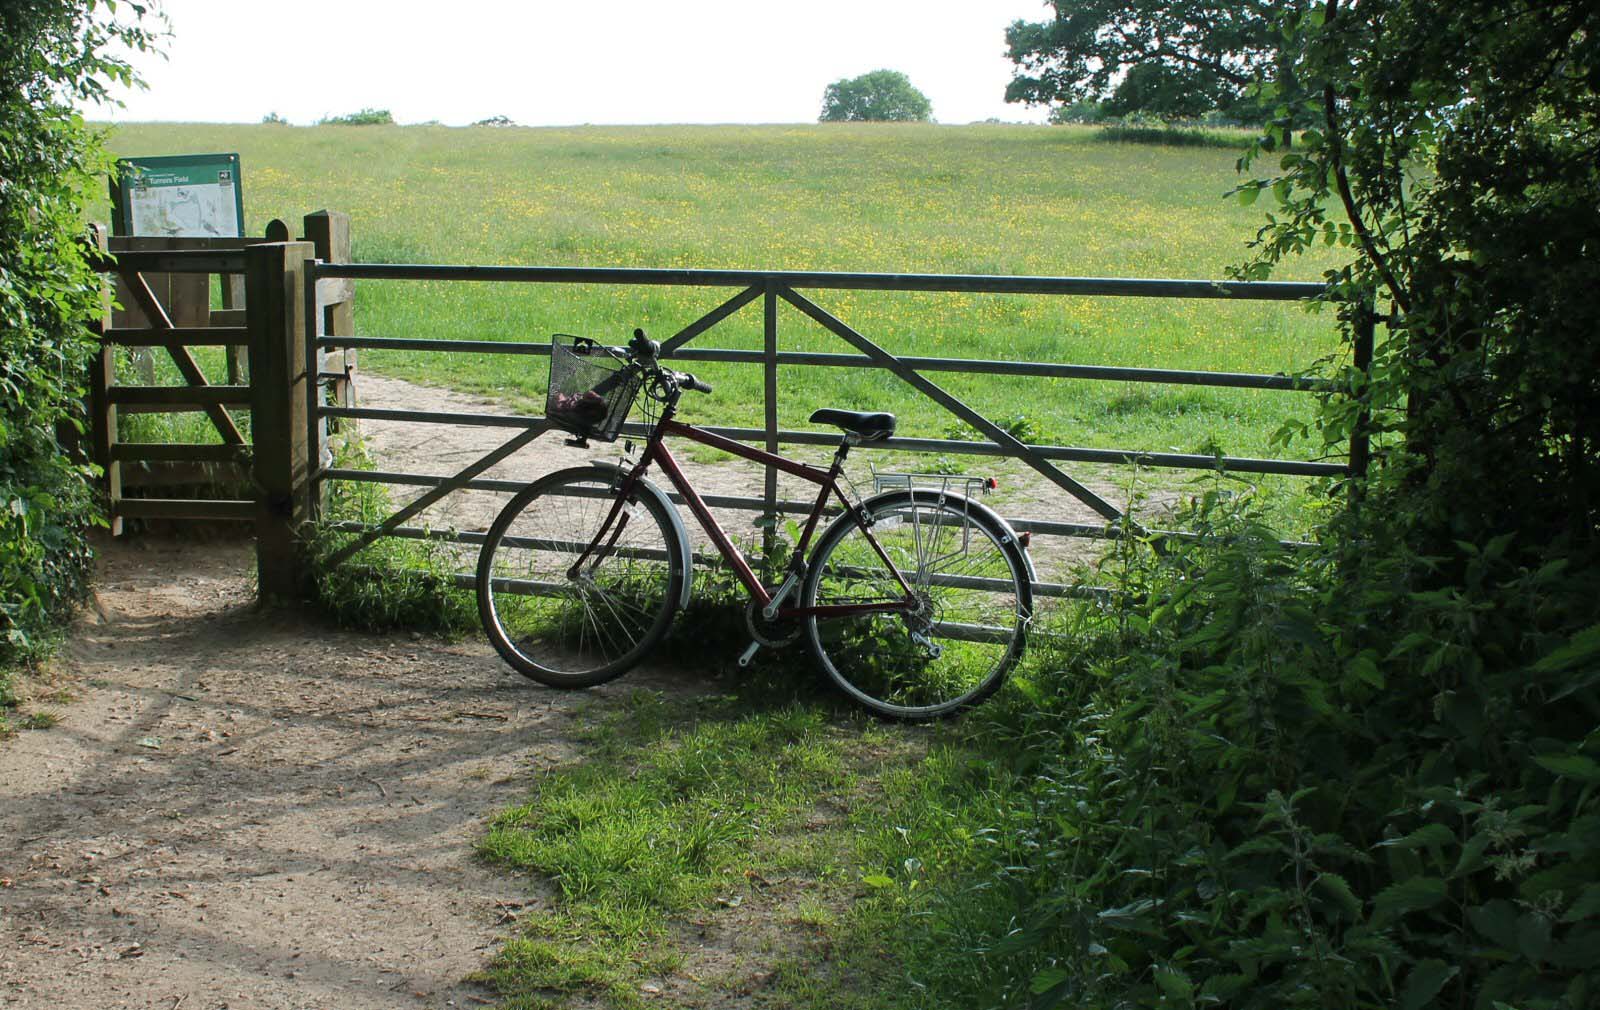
[858, 351]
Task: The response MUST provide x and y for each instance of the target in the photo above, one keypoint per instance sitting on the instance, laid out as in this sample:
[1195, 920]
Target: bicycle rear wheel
[970, 622]
[569, 624]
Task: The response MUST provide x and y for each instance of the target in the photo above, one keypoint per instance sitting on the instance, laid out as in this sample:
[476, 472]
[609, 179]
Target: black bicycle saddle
[867, 425]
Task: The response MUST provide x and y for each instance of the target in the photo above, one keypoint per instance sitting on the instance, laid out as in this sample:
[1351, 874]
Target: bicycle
[915, 602]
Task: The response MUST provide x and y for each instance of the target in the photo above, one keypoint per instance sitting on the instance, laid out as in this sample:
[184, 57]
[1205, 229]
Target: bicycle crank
[775, 633]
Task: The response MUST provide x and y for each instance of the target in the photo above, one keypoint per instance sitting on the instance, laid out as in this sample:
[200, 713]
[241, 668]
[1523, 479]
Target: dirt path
[246, 809]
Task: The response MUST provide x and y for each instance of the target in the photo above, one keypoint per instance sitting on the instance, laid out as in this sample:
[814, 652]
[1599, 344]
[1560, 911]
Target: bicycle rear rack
[945, 483]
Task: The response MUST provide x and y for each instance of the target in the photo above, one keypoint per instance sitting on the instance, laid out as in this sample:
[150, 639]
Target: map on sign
[185, 196]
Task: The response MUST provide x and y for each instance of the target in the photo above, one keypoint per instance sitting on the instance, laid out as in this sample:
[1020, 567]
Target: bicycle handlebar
[642, 351]
[686, 380]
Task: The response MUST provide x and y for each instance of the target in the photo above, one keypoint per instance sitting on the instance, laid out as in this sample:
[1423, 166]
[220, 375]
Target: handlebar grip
[698, 385]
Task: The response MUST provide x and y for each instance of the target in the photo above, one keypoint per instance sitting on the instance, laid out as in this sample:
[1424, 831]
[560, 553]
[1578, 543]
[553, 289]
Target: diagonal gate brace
[535, 429]
[934, 392]
[709, 320]
[151, 307]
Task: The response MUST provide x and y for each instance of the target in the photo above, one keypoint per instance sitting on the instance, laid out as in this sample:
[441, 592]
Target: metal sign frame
[175, 170]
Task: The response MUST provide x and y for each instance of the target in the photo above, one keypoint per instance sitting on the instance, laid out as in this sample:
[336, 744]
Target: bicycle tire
[571, 631]
[977, 598]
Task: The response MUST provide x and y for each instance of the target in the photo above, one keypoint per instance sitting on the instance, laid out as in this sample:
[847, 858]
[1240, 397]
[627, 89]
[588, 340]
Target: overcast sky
[549, 62]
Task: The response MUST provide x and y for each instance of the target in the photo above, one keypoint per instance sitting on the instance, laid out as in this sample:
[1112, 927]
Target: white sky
[545, 62]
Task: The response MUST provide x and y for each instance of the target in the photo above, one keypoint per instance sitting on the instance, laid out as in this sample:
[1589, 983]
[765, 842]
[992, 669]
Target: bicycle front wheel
[570, 594]
[966, 630]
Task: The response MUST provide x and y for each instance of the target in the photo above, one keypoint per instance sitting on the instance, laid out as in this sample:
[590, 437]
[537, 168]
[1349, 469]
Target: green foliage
[394, 584]
[1296, 779]
[1157, 89]
[1459, 157]
[52, 55]
[1167, 59]
[362, 117]
[1079, 112]
[273, 119]
[882, 96]
[1140, 130]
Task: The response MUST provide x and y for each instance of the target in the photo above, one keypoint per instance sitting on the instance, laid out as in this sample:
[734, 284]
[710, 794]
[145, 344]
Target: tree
[1458, 154]
[53, 56]
[880, 96]
[1169, 59]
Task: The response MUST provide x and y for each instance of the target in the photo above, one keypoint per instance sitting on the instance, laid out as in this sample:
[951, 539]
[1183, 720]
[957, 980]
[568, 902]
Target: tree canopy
[1178, 59]
[880, 96]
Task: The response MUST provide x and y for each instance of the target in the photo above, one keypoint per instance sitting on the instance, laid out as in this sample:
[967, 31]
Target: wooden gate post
[275, 306]
[102, 412]
[329, 231]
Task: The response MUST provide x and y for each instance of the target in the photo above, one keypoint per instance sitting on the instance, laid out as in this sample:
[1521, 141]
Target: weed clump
[392, 583]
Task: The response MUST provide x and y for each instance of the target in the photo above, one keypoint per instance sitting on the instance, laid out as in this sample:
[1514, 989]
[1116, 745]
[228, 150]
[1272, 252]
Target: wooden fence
[253, 465]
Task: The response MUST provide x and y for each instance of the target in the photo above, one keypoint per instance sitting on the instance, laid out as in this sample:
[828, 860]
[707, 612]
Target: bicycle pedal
[749, 654]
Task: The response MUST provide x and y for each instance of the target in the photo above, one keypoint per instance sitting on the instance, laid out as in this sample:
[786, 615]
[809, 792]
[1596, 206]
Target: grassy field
[978, 199]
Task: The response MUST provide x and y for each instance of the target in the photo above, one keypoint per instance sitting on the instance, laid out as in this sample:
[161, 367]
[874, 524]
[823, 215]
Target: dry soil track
[243, 808]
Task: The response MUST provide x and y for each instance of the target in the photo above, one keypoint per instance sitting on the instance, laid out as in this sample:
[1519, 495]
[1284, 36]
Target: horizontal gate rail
[1067, 454]
[1288, 291]
[178, 452]
[821, 359]
[189, 336]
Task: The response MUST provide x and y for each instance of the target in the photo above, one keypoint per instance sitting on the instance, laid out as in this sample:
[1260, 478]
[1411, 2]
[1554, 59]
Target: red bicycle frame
[655, 451]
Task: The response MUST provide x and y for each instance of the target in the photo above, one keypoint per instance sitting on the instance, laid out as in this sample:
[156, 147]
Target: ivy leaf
[1428, 836]
[1339, 889]
[1046, 980]
[1583, 647]
[1496, 920]
[1424, 982]
[1175, 984]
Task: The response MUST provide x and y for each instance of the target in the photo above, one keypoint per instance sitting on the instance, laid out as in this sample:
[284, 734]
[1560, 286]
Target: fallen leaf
[151, 742]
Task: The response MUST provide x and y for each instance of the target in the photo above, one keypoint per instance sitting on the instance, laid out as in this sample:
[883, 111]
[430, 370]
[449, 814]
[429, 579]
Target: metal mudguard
[973, 506]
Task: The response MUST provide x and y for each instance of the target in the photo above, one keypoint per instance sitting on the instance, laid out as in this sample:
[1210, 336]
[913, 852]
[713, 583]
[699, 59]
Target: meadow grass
[760, 843]
[974, 199]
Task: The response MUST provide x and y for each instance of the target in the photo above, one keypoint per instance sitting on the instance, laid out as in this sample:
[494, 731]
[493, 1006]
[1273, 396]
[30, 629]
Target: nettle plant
[1368, 774]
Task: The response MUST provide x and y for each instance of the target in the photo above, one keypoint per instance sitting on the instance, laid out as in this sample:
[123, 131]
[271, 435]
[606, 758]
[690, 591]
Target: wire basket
[590, 391]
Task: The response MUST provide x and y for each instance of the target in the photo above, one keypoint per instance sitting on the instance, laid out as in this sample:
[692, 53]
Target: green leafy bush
[1303, 778]
[50, 57]
[392, 584]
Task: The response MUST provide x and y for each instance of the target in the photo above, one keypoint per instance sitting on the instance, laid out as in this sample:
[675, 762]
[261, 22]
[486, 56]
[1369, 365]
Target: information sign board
[180, 196]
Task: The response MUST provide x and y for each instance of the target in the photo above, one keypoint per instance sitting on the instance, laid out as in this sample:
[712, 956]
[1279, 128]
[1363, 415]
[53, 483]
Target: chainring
[775, 634]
